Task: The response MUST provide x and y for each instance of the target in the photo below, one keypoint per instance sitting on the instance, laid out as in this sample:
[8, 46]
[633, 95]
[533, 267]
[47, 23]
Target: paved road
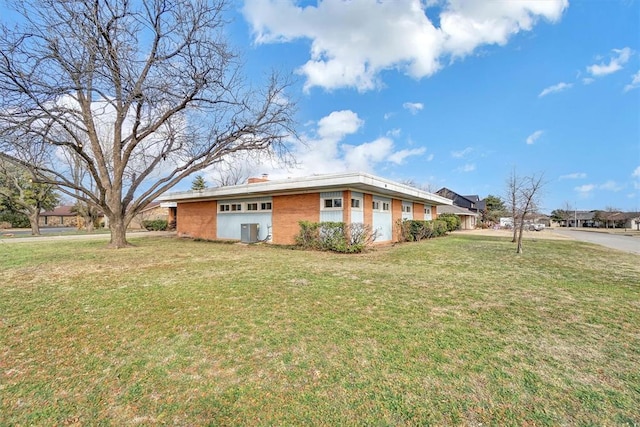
[614, 241]
[105, 237]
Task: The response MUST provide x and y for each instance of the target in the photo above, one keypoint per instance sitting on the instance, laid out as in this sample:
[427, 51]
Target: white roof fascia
[356, 181]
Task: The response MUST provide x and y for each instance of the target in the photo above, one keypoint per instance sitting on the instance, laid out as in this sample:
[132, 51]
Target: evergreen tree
[199, 183]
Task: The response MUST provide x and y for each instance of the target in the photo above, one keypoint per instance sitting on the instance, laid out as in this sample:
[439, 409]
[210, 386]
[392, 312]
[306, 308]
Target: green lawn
[457, 330]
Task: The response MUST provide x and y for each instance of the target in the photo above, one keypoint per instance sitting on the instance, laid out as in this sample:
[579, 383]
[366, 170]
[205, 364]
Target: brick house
[153, 211]
[60, 216]
[278, 206]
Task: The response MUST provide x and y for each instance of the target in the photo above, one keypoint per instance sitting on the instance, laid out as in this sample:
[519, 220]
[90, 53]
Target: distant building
[471, 202]
[61, 216]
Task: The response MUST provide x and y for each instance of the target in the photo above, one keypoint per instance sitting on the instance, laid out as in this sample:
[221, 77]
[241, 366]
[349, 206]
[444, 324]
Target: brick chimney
[264, 178]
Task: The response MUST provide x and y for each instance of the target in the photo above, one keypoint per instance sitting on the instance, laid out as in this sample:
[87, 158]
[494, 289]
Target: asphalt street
[614, 241]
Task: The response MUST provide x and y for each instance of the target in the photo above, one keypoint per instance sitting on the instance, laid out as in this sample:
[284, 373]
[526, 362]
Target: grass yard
[457, 330]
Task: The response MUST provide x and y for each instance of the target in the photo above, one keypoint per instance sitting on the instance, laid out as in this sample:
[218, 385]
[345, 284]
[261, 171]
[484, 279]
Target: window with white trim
[356, 203]
[406, 208]
[386, 206]
[265, 206]
[224, 208]
[236, 207]
[332, 203]
[252, 206]
[376, 205]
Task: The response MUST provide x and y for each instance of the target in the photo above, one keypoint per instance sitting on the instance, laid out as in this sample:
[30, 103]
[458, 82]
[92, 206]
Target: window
[252, 206]
[332, 203]
[225, 208]
[355, 203]
[236, 207]
[265, 206]
[385, 206]
[376, 205]
[406, 208]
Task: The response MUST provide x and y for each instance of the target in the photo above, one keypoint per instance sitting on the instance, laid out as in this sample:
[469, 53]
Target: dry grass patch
[458, 330]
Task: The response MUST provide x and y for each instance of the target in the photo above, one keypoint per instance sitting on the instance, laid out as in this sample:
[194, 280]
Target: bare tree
[514, 185]
[143, 93]
[528, 195]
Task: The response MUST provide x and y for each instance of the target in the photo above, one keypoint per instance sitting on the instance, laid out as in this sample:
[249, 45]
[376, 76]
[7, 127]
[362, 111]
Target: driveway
[615, 241]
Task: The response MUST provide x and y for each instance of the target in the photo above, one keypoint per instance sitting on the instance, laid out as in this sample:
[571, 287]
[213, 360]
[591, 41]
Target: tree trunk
[118, 229]
[34, 219]
[88, 223]
[521, 228]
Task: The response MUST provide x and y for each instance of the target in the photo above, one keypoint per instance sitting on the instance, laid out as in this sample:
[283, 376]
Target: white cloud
[352, 42]
[534, 137]
[576, 175]
[636, 174]
[399, 156]
[364, 156]
[617, 61]
[585, 190]
[394, 133]
[635, 82]
[555, 89]
[611, 186]
[323, 149]
[588, 80]
[413, 107]
[338, 124]
[469, 167]
[461, 153]
[430, 157]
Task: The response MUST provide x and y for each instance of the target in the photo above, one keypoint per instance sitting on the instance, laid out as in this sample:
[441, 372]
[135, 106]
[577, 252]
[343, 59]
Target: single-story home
[273, 209]
[468, 219]
[153, 211]
[60, 216]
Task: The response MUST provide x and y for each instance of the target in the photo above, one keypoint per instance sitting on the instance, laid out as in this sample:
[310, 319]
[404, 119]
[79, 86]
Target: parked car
[536, 227]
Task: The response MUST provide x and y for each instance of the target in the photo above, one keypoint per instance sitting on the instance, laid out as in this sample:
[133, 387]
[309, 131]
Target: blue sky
[457, 93]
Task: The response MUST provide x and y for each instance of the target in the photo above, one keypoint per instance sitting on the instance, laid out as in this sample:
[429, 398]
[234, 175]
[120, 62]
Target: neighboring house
[472, 202]
[602, 219]
[632, 220]
[275, 208]
[60, 216]
[153, 211]
[468, 219]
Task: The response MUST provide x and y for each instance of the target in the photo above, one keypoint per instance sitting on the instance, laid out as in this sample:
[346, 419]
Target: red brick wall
[396, 215]
[288, 211]
[346, 206]
[434, 212]
[418, 211]
[197, 219]
[368, 209]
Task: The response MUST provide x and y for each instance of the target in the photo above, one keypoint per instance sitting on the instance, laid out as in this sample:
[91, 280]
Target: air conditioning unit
[249, 233]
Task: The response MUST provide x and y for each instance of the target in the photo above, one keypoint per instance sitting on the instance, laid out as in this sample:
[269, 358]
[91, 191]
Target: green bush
[155, 224]
[412, 230]
[335, 236]
[17, 220]
[453, 221]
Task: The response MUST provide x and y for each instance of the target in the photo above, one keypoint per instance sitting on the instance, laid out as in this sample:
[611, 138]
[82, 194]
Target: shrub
[17, 220]
[155, 224]
[335, 236]
[412, 230]
[453, 221]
